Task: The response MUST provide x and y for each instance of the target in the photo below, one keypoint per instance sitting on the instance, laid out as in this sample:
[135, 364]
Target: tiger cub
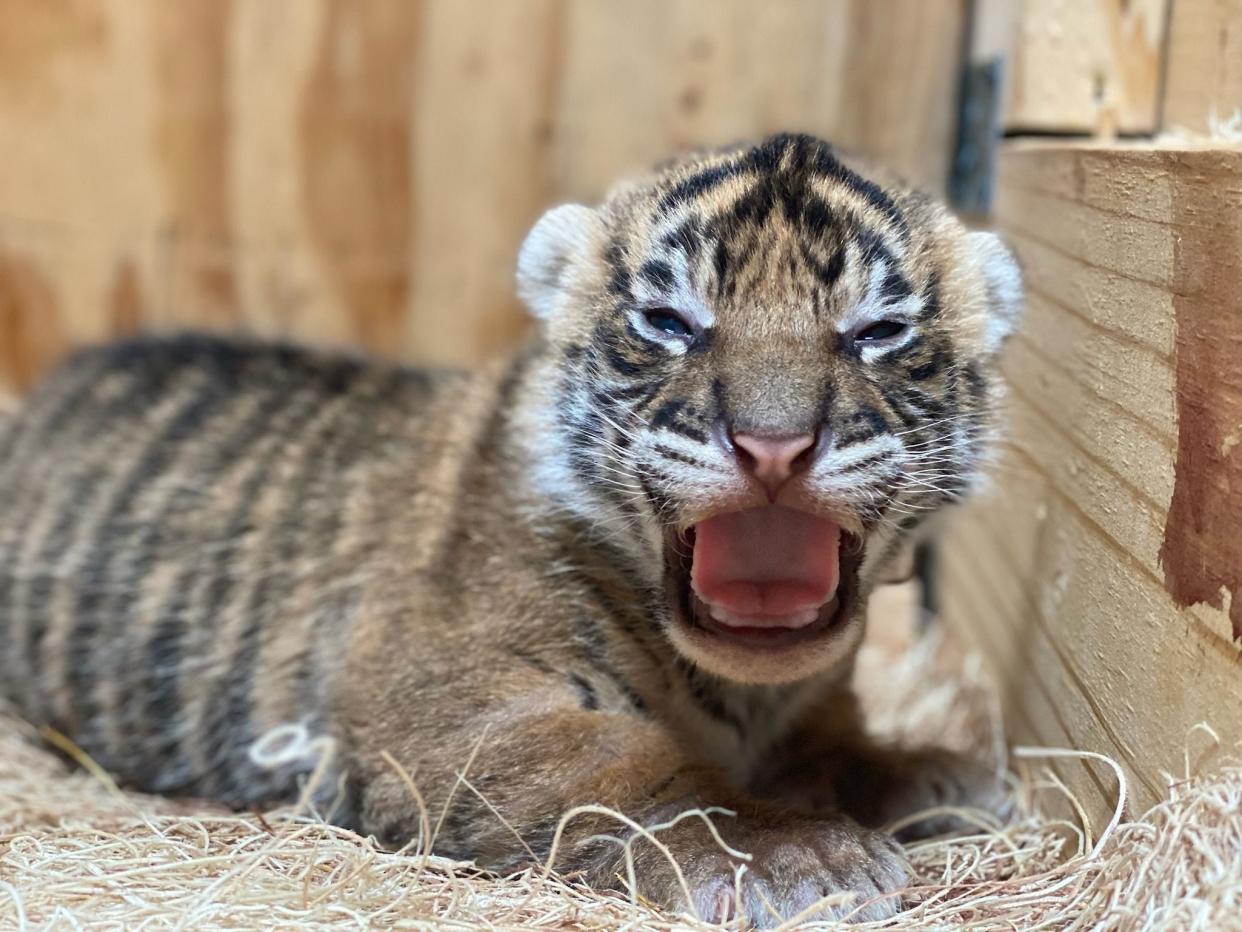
[627, 566]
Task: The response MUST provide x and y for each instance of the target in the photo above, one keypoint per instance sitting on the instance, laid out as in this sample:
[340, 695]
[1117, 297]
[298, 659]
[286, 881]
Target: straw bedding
[75, 852]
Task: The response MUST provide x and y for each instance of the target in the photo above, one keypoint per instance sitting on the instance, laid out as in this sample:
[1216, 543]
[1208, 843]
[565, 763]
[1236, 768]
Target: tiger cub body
[626, 566]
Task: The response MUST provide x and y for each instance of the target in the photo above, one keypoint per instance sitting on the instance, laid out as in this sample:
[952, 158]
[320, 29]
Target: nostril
[748, 460]
[803, 460]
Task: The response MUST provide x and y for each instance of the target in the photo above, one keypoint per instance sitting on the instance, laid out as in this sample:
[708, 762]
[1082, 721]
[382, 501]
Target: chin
[773, 644]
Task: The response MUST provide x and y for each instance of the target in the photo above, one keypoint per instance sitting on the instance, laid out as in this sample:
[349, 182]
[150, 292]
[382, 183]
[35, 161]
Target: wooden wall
[1103, 575]
[1203, 84]
[1107, 67]
[1085, 65]
[363, 171]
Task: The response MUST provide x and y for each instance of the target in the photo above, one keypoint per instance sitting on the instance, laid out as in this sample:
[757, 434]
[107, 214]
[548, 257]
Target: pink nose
[773, 460]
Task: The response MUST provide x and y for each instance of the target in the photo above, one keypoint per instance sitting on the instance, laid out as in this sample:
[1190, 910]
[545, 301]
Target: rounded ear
[561, 235]
[1002, 279]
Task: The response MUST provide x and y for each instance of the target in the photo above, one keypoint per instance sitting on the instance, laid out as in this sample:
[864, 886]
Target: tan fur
[203, 540]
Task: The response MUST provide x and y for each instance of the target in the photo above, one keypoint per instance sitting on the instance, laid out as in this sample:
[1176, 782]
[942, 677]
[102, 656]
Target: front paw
[914, 792]
[822, 869]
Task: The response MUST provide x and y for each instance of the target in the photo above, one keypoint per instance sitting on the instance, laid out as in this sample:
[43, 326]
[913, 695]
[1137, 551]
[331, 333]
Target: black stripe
[687, 238]
[912, 346]
[895, 287]
[528, 658]
[910, 522]
[864, 424]
[976, 384]
[498, 421]
[587, 697]
[682, 457]
[76, 494]
[110, 540]
[871, 192]
[21, 500]
[699, 184]
[78, 489]
[619, 362]
[930, 405]
[658, 273]
[30, 420]
[660, 503]
[872, 248]
[933, 366]
[667, 412]
[816, 217]
[217, 580]
[626, 611]
[156, 718]
[720, 260]
[931, 298]
[351, 447]
[132, 664]
[641, 406]
[889, 357]
[867, 462]
[228, 725]
[754, 206]
[766, 156]
[624, 392]
[42, 428]
[828, 273]
[592, 647]
[331, 624]
[901, 408]
[703, 693]
[619, 283]
[585, 431]
[162, 724]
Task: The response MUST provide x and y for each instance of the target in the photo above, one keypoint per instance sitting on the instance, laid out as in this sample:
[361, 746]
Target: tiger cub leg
[528, 768]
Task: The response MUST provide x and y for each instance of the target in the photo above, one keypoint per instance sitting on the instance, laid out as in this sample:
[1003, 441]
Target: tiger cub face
[771, 370]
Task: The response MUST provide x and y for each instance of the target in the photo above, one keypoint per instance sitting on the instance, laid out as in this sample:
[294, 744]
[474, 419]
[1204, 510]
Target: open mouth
[764, 578]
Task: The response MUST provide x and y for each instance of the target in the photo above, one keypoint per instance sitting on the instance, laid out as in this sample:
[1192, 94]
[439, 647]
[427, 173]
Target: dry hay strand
[76, 852]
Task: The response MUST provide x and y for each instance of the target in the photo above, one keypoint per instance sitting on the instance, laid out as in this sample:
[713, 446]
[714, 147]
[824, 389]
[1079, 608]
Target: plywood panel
[363, 171]
[1104, 573]
[1086, 66]
[649, 75]
[1203, 84]
[485, 99]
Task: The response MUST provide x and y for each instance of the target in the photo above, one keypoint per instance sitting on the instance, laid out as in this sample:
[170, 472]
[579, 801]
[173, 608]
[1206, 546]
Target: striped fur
[164, 502]
[203, 539]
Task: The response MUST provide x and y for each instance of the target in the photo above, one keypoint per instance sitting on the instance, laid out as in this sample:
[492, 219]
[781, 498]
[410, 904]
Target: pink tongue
[766, 561]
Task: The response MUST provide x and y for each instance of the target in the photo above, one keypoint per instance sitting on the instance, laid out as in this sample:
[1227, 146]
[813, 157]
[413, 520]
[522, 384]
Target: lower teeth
[733, 620]
[799, 620]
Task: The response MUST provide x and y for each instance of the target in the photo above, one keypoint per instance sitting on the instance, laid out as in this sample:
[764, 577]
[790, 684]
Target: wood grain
[356, 159]
[1100, 573]
[363, 171]
[192, 142]
[1086, 66]
[1203, 84]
